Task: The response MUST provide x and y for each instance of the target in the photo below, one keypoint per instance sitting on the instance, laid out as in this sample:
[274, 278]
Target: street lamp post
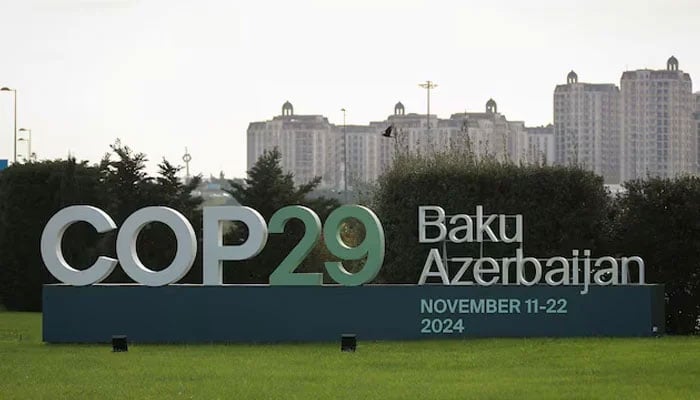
[29, 142]
[345, 158]
[428, 85]
[14, 155]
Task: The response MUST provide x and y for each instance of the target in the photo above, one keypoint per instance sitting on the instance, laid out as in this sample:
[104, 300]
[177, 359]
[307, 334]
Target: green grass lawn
[599, 368]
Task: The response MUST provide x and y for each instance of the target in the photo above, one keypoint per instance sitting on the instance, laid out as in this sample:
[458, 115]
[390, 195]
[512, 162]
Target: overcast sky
[163, 75]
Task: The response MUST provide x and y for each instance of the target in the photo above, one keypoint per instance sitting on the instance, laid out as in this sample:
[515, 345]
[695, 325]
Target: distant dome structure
[572, 77]
[491, 107]
[399, 109]
[672, 64]
[287, 109]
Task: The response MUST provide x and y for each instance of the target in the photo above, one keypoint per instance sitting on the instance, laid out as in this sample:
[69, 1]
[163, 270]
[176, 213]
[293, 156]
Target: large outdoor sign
[215, 252]
[516, 295]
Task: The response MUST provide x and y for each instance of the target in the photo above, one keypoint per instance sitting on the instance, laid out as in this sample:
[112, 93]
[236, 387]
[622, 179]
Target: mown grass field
[599, 368]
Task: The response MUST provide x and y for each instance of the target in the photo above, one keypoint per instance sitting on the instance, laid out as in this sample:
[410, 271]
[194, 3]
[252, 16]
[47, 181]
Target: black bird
[387, 131]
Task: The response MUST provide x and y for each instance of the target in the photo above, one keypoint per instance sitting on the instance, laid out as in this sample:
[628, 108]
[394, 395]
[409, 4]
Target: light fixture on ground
[348, 342]
[119, 343]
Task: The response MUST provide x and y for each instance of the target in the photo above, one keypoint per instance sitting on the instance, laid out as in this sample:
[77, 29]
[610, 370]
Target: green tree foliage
[659, 220]
[267, 189]
[170, 191]
[563, 208]
[128, 188]
[127, 185]
[31, 193]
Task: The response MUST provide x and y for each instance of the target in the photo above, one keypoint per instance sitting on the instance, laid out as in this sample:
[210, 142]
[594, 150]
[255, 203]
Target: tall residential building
[486, 133]
[539, 145]
[364, 159]
[587, 126]
[658, 136]
[311, 146]
[489, 133]
[308, 145]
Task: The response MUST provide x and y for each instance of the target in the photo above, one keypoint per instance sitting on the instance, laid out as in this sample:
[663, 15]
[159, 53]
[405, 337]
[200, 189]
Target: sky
[163, 75]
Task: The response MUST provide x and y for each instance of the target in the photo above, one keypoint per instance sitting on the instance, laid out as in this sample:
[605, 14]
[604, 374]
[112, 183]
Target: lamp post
[14, 155]
[29, 142]
[428, 85]
[345, 158]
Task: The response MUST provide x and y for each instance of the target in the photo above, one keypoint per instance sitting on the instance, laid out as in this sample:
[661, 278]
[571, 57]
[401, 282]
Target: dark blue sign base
[206, 314]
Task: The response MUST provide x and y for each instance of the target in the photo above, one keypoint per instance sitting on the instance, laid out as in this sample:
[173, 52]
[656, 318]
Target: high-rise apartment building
[587, 126]
[539, 145]
[311, 146]
[308, 145]
[364, 153]
[658, 136]
[487, 133]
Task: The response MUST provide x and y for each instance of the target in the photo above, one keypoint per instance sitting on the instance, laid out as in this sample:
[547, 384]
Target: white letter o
[184, 236]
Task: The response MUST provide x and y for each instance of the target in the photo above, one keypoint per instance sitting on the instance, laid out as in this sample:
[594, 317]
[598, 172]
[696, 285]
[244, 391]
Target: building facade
[307, 143]
[311, 146]
[658, 134]
[649, 126]
[488, 133]
[539, 145]
[587, 126]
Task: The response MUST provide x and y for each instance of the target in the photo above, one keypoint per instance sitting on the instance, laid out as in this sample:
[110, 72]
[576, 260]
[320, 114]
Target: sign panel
[206, 314]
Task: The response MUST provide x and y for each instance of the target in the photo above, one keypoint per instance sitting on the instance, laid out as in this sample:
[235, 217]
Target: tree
[129, 188]
[659, 220]
[563, 208]
[157, 242]
[267, 186]
[267, 189]
[30, 194]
